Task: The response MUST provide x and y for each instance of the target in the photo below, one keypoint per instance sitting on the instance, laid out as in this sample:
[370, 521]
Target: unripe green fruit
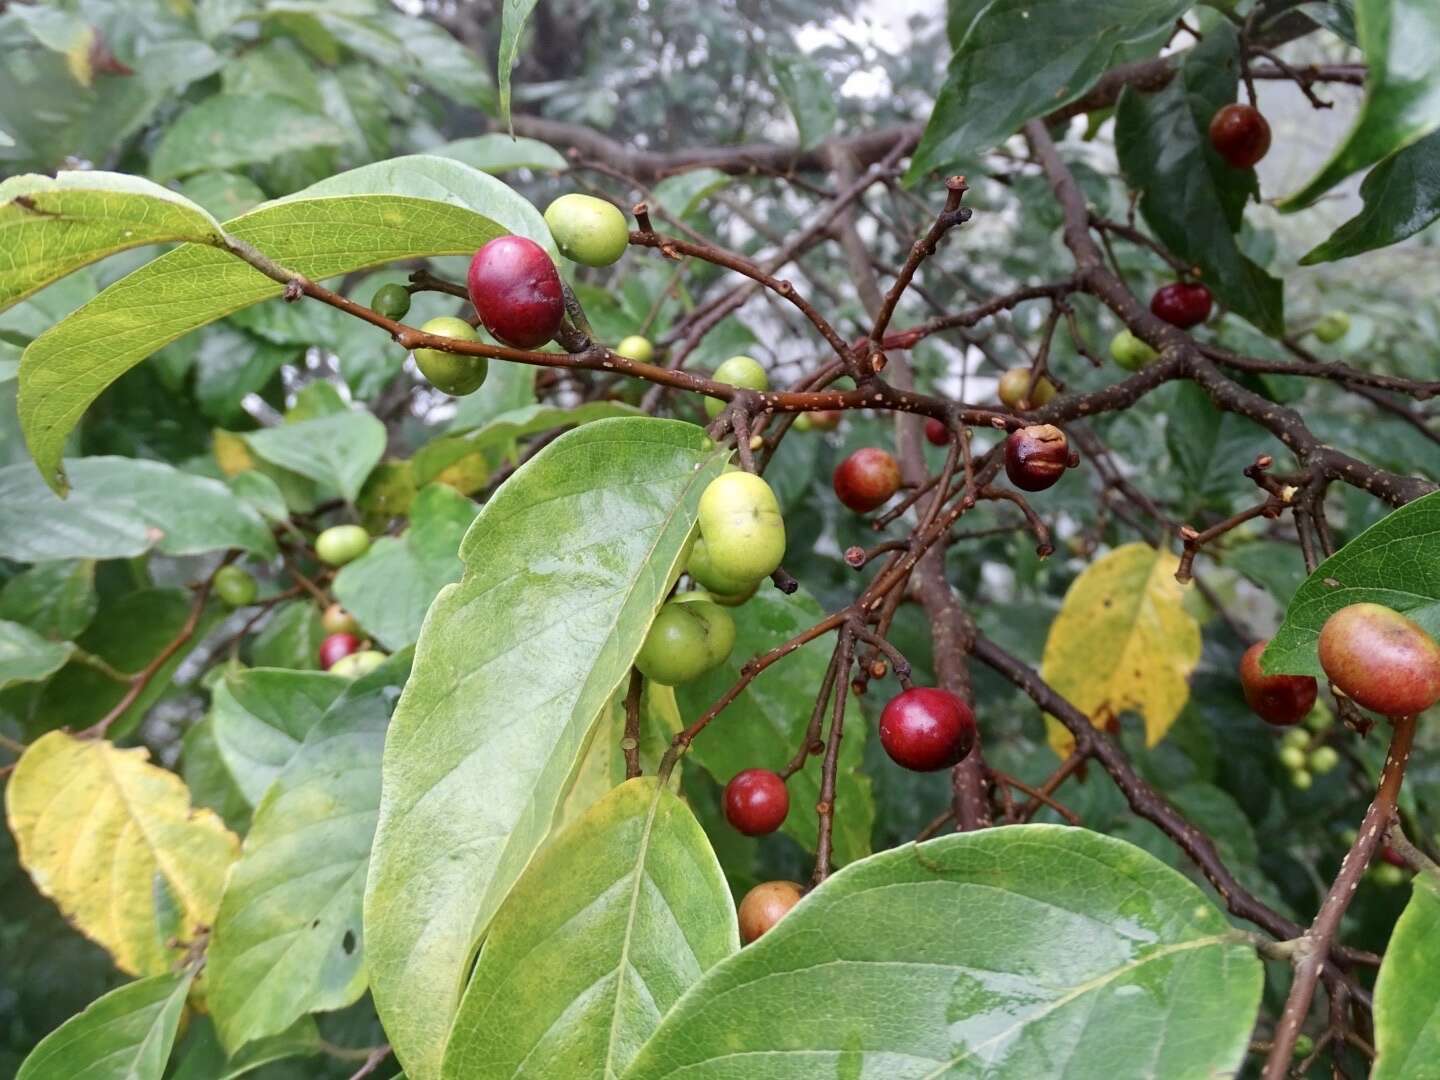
[741, 371]
[234, 586]
[1297, 737]
[341, 544]
[1015, 384]
[687, 639]
[1388, 876]
[803, 422]
[636, 348]
[1304, 1046]
[1130, 352]
[702, 569]
[452, 373]
[1292, 757]
[1323, 760]
[743, 531]
[1321, 719]
[735, 599]
[1301, 780]
[1332, 327]
[392, 301]
[336, 620]
[358, 664]
[587, 230]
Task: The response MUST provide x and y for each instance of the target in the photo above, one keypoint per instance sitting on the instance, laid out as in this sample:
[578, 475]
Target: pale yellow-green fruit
[636, 348]
[702, 569]
[742, 528]
[1130, 352]
[587, 230]
[456, 375]
[341, 544]
[687, 638]
[358, 664]
[1015, 383]
[742, 371]
[1332, 327]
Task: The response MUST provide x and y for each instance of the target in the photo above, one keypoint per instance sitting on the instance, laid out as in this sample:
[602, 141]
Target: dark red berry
[756, 801]
[516, 291]
[936, 432]
[926, 729]
[1182, 303]
[336, 647]
[1240, 135]
[866, 479]
[1281, 700]
[1036, 457]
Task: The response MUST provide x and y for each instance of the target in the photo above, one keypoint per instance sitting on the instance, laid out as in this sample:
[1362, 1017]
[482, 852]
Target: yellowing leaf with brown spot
[1123, 641]
[114, 841]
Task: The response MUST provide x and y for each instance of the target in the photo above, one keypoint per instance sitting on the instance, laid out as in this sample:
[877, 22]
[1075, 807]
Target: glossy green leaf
[125, 1035]
[227, 130]
[55, 599]
[53, 225]
[495, 153]
[287, 940]
[291, 639]
[513, 14]
[1191, 199]
[1402, 90]
[225, 194]
[1018, 59]
[808, 95]
[121, 507]
[682, 194]
[1401, 196]
[1395, 562]
[572, 980]
[1205, 443]
[25, 656]
[203, 1058]
[261, 717]
[336, 452]
[564, 569]
[379, 213]
[1407, 990]
[391, 586]
[1021, 952]
[765, 725]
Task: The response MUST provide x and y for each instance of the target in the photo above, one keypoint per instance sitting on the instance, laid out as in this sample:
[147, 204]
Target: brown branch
[630, 743]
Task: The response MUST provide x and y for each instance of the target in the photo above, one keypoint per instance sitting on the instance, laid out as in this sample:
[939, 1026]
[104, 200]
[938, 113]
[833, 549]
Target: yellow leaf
[1123, 640]
[231, 453]
[77, 56]
[114, 841]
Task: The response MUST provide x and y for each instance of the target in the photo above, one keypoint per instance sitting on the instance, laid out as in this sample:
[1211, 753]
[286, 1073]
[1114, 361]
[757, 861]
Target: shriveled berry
[1036, 457]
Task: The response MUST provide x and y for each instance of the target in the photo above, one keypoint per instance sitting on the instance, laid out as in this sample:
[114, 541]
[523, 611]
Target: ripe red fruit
[1394, 858]
[1182, 303]
[756, 801]
[1240, 135]
[926, 729]
[936, 432]
[764, 906]
[1036, 457]
[336, 647]
[1281, 700]
[516, 291]
[866, 479]
[1381, 660]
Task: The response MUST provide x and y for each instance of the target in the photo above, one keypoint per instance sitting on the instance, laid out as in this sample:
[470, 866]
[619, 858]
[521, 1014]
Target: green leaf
[55, 599]
[55, 225]
[291, 639]
[1027, 951]
[512, 22]
[25, 656]
[1395, 562]
[227, 130]
[496, 153]
[1019, 59]
[1205, 444]
[121, 507]
[397, 209]
[1402, 91]
[225, 194]
[125, 1035]
[572, 980]
[336, 451]
[1337, 16]
[1191, 199]
[564, 569]
[1401, 196]
[808, 95]
[287, 940]
[764, 725]
[209, 781]
[391, 586]
[262, 715]
[682, 195]
[1407, 990]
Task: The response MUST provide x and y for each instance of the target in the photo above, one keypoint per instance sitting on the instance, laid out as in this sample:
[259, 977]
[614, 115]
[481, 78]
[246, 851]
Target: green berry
[1332, 327]
[741, 371]
[1297, 737]
[636, 348]
[1388, 876]
[742, 529]
[1323, 760]
[449, 372]
[587, 230]
[234, 586]
[1321, 718]
[1301, 780]
[1130, 352]
[358, 663]
[687, 638]
[1304, 1046]
[341, 544]
[1292, 757]
[392, 301]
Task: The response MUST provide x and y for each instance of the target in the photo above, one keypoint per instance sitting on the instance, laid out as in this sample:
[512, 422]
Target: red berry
[1394, 858]
[1240, 135]
[936, 432]
[1036, 457]
[764, 906]
[1182, 303]
[1281, 700]
[926, 729]
[336, 647]
[866, 479]
[1381, 660]
[825, 419]
[756, 801]
[516, 291]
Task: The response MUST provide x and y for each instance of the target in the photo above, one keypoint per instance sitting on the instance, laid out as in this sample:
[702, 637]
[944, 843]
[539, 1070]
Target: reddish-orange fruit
[1380, 659]
[764, 906]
